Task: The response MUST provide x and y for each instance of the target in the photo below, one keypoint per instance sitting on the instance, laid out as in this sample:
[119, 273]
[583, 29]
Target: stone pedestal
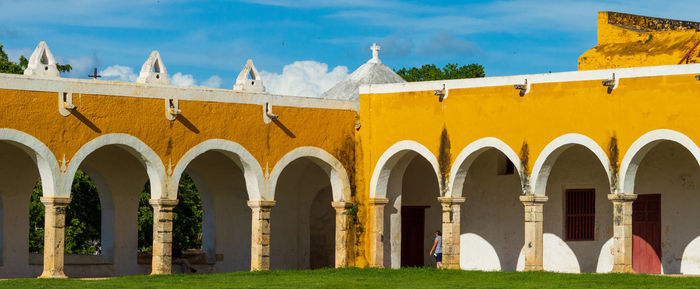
[450, 231]
[54, 228]
[341, 233]
[622, 232]
[260, 235]
[162, 235]
[377, 233]
[533, 231]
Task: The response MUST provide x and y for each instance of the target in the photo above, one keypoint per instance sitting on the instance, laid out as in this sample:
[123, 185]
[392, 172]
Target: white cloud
[119, 73]
[303, 78]
[179, 79]
[212, 82]
[124, 73]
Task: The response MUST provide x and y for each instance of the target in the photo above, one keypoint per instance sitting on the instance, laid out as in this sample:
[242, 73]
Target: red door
[646, 234]
[412, 234]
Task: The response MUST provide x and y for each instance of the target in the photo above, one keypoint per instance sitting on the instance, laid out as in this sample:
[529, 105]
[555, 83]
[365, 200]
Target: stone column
[533, 231]
[260, 235]
[377, 233]
[341, 233]
[450, 231]
[622, 232]
[162, 235]
[54, 228]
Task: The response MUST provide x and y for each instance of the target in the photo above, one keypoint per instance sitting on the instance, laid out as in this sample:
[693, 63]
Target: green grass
[370, 278]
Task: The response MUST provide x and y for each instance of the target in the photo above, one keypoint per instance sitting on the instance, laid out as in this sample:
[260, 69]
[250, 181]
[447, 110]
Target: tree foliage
[84, 218]
[449, 71]
[7, 66]
[187, 217]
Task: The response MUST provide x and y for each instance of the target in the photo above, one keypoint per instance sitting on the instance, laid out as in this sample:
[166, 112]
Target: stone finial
[375, 53]
[153, 70]
[252, 84]
[42, 62]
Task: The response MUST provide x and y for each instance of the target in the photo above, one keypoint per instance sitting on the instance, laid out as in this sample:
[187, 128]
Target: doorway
[412, 235]
[646, 234]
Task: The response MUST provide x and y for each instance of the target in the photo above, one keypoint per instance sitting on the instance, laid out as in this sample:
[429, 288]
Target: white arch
[466, 158]
[252, 171]
[635, 154]
[549, 155]
[340, 183]
[142, 152]
[394, 156]
[40, 153]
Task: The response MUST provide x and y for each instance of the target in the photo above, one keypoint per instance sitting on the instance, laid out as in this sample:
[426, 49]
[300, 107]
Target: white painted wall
[670, 170]
[576, 168]
[299, 183]
[18, 174]
[492, 228]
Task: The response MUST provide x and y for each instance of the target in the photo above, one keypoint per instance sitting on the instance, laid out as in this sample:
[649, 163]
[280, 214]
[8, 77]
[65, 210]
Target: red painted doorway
[412, 236]
[646, 234]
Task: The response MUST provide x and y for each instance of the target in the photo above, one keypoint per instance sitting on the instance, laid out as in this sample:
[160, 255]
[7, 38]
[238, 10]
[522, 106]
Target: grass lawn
[370, 278]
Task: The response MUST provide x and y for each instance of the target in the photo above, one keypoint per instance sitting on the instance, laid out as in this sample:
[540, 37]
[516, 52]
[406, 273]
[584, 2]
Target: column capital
[622, 197]
[452, 200]
[341, 205]
[378, 201]
[56, 201]
[533, 199]
[163, 202]
[261, 203]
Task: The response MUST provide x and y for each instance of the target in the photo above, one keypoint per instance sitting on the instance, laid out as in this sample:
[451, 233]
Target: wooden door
[412, 235]
[646, 234]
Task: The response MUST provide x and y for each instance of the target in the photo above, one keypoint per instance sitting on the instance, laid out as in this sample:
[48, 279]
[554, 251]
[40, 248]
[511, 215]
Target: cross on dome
[375, 53]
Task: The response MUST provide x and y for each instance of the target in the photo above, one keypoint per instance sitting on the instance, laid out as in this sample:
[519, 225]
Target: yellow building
[525, 172]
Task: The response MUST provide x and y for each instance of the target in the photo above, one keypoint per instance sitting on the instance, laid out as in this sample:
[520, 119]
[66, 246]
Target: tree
[7, 66]
[187, 217]
[84, 213]
[449, 71]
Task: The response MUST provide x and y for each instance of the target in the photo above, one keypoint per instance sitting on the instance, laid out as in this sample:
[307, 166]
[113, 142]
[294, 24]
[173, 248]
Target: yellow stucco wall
[36, 113]
[549, 110]
[626, 40]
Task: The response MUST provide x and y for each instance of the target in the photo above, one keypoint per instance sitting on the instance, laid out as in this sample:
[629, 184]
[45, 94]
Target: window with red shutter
[580, 214]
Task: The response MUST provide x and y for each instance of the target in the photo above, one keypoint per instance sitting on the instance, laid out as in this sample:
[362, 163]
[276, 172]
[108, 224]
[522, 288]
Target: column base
[622, 268]
[533, 268]
[53, 275]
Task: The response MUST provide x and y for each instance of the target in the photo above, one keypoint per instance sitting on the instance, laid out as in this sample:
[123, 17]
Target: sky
[305, 47]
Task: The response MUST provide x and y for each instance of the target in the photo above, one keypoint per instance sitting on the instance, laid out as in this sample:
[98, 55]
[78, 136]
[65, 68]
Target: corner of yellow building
[626, 40]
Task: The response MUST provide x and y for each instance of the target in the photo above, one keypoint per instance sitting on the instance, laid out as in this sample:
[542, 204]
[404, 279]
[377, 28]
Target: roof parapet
[153, 70]
[252, 84]
[42, 62]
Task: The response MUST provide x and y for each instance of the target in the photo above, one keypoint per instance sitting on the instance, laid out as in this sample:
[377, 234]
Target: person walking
[436, 251]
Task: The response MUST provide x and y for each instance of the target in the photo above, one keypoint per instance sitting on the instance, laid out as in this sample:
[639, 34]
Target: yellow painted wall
[626, 40]
[549, 110]
[36, 113]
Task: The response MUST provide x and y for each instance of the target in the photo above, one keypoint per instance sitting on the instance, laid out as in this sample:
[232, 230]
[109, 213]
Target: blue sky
[206, 40]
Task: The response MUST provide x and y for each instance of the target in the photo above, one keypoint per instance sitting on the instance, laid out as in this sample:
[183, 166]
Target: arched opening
[213, 191]
[118, 177]
[491, 227]
[665, 223]
[303, 220]
[18, 175]
[577, 222]
[409, 182]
